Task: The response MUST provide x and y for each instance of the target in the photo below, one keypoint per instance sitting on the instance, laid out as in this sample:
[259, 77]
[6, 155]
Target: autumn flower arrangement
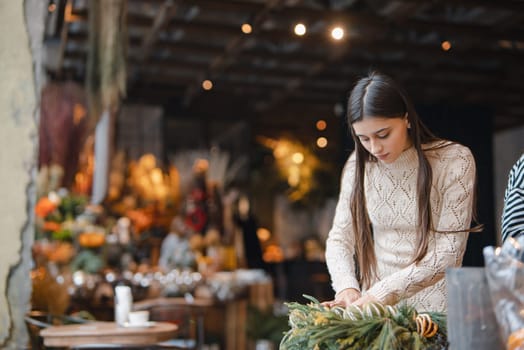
[55, 213]
[372, 326]
[55, 226]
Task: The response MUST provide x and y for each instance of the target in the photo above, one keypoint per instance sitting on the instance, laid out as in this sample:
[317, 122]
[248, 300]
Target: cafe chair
[37, 320]
[34, 324]
[190, 322]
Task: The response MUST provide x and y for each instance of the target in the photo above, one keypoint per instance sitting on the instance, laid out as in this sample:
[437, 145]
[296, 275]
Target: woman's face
[384, 138]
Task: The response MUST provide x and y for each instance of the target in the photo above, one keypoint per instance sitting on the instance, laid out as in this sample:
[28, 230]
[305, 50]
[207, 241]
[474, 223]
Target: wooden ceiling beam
[205, 29]
[187, 48]
[155, 94]
[376, 23]
[158, 76]
[352, 65]
[230, 7]
[278, 96]
[232, 48]
[273, 65]
[271, 79]
[368, 43]
[331, 78]
[164, 14]
[170, 64]
[499, 5]
[382, 24]
[227, 6]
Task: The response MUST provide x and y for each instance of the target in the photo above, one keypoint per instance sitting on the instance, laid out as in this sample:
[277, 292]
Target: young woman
[405, 205]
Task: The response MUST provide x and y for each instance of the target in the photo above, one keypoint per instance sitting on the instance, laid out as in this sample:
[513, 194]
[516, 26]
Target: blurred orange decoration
[91, 239]
[140, 218]
[83, 180]
[273, 253]
[57, 252]
[44, 207]
[62, 253]
[295, 163]
[51, 226]
[47, 293]
[152, 194]
[152, 184]
[56, 215]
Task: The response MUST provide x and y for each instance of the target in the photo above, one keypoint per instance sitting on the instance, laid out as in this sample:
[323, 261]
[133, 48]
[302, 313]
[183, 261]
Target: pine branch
[374, 326]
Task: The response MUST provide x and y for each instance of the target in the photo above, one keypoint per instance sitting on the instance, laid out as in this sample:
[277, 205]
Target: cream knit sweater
[391, 203]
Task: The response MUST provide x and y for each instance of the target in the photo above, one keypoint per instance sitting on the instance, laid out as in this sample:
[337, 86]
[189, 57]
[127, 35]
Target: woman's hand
[344, 298]
[365, 299]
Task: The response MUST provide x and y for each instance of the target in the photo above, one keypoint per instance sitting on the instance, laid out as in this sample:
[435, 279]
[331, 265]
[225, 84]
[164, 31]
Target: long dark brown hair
[379, 95]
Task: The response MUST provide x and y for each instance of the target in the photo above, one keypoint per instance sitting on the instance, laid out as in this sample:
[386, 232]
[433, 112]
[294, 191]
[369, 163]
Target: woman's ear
[408, 124]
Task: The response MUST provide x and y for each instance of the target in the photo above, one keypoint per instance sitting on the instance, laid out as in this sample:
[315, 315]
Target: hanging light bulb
[246, 28]
[322, 142]
[300, 29]
[207, 84]
[446, 45]
[337, 33]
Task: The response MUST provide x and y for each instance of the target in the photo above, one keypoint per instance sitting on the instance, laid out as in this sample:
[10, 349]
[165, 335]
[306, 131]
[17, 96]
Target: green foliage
[62, 235]
[72, 205]
[372, 326]
[87, 261]
[265, 325]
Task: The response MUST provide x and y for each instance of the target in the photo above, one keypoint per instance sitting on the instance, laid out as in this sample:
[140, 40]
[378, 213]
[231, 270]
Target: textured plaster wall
[18, 102]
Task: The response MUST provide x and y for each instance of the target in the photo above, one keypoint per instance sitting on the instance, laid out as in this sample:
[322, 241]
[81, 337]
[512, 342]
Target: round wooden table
[107, 333]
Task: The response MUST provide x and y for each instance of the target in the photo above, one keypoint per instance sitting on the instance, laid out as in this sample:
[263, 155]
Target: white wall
[18, 108]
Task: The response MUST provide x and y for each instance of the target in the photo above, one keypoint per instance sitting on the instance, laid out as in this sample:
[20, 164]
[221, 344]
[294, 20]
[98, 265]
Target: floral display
[372, 326]
[55, 214]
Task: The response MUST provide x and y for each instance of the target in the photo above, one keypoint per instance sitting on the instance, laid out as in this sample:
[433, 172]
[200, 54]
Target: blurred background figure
[247, 242]
[175, 251]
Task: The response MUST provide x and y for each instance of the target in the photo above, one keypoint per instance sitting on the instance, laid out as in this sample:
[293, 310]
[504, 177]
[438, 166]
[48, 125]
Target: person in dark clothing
[247, 223]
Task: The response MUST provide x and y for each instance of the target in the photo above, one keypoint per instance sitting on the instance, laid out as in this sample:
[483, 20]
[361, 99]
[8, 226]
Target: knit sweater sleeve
[452, 204]
[340, 249]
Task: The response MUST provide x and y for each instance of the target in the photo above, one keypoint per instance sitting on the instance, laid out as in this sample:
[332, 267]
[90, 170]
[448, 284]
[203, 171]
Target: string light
[246, 28]
[337, 33]
[207, 84]
[321, 125]
[322, 142]
[446, 45]
[300, 29]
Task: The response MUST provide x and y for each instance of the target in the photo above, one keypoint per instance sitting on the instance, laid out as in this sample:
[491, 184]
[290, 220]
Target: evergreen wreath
[372, 326]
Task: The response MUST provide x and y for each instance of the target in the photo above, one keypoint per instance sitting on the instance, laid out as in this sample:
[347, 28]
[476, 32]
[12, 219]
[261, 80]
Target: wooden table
[227, 318]
[198, 306]
[107, 333]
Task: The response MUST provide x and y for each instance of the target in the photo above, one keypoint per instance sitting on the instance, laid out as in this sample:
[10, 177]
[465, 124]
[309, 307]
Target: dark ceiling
[277, 79]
